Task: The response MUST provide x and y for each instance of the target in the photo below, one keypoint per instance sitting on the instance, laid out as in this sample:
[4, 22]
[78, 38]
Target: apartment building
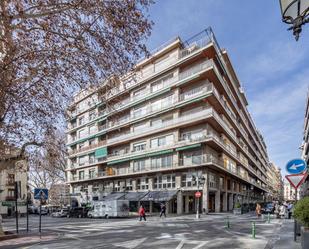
[148, 137]
[289, 192]
[275, 182]
[13, 172]
[305, 148]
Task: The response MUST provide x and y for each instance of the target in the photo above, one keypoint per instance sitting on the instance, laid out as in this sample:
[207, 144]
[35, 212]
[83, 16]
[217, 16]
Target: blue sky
[272, 67]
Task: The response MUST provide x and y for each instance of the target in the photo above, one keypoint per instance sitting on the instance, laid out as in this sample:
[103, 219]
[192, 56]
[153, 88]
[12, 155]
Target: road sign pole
[40, 222]
[16, 207]
[198, 201]
[27, 206]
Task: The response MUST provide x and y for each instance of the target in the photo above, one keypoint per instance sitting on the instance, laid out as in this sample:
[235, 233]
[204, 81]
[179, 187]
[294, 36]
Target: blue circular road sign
[296, 166]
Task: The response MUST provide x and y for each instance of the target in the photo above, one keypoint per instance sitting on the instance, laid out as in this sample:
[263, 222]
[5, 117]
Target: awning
[119, 161]
[163, 195]
[158, 153]
[188, 147]
[113, 196]
[102, 152]
[134, 196]
[130, 196]
[162, 152]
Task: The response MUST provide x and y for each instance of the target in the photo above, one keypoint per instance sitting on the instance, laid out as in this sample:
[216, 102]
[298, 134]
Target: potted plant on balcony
[301, 213]
[237, 208]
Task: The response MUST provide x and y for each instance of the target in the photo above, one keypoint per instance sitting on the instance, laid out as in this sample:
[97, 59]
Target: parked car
[33, 210]
[61, 213]
[79, 212]
[268, 208]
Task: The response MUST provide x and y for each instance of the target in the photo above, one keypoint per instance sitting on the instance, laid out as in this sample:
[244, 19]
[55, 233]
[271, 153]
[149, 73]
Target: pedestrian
[141, 213]
[290, 210]
[276, 210]
[282, 211]
[258, 210]
[163, 210]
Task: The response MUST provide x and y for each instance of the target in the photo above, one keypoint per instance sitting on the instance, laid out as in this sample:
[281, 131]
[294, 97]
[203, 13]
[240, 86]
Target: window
[139, 165]
[81, 175]
[139, 111]
[92, 115]
[193, 135]
[81, 120]
[221, 182]
[91, 158]
[83, 133]
[140, 92]
[117, 186]
[129, 185]
[212, 181]
[161, 120]
[165, 181]
[92, 129]
[191, 158]
[11, 179]
[92, 173]
[139, 146]
[140, 126]
[142, 183]
[81, 145]
[91, 142]
[82, 160]
[11, 193]
[162, 141]
[156, 86]
[187, 180]
[161, 162]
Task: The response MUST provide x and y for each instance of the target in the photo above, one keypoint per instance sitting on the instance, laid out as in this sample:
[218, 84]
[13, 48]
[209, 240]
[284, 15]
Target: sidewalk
[286, 236]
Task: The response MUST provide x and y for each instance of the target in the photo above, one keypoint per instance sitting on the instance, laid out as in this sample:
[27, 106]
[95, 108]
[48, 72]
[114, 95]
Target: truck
[109, 208]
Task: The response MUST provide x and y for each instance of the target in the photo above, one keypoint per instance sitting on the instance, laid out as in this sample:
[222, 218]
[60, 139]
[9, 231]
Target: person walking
[141, 213]
[163, 210]
[290, 210]
[258, 210]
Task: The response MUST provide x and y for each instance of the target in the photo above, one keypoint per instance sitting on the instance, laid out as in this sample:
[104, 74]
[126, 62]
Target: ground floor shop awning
[163, 195]
[134, 196]
[113, 196]
[130, 196]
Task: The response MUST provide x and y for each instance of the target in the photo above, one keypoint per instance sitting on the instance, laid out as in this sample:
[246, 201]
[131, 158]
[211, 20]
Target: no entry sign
[198, 194]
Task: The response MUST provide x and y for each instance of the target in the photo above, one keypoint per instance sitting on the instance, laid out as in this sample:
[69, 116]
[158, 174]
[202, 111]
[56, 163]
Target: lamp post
[295, 12]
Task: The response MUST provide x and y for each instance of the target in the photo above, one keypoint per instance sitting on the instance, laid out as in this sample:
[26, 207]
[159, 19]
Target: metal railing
[179, 120]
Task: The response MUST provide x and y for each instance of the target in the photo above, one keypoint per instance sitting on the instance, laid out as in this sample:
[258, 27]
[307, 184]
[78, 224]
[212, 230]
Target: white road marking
[130, 244]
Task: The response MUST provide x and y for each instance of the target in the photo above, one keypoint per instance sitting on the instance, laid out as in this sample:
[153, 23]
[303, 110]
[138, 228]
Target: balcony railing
[194, 161]
[180, 120]
[89, 147]
[10, 198]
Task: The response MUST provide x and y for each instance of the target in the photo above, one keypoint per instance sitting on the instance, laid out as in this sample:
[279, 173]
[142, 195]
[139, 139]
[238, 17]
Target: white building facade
[183, 116]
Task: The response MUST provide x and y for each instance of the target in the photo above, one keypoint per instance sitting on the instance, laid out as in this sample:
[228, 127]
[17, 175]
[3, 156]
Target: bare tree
[47, 163]
[51, 48]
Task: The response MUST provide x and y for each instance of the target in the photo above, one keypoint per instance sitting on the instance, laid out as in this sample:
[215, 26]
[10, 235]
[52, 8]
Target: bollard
[227, 222]
[268, 218]
[253, 229]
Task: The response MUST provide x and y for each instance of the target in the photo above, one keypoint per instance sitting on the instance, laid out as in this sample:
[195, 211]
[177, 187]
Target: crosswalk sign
[41, 193]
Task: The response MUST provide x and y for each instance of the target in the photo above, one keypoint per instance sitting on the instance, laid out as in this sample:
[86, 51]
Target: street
[174, 232]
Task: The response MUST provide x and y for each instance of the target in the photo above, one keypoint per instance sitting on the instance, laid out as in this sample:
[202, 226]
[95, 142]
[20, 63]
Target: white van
[106, 209]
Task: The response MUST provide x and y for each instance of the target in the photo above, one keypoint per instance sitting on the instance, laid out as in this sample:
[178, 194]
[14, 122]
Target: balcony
[176, 121]
[171, 81]
[10, 198]
[10, 182]
[195, 161]
[85, 148]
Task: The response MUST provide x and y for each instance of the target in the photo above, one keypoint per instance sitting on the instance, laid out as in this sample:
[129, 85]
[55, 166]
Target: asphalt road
[175, 232]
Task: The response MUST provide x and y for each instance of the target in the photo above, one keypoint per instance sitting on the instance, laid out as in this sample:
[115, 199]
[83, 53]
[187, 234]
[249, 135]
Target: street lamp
[295, 12]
